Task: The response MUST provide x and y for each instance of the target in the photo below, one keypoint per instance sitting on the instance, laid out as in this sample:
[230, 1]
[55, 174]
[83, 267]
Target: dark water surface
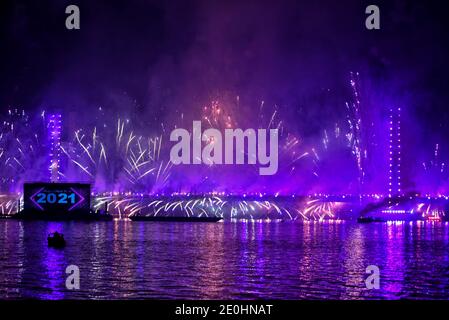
[289, 260]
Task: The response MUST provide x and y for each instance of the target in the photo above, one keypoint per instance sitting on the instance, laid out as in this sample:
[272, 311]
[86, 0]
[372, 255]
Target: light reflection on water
[248, 260]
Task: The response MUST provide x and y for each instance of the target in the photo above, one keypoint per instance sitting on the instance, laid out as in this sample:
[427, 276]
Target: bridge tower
[394, 176]
[54, 138]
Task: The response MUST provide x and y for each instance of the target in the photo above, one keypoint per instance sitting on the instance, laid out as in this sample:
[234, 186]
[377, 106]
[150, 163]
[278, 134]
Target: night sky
[151, 60]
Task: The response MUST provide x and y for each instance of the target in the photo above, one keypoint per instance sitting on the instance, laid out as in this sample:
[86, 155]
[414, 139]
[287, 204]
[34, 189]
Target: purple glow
[32, 199]
[394, 183]
[79, 202]
[54, 137]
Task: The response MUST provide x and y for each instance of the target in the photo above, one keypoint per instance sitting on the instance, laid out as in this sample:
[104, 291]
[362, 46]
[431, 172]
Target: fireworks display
[434, 174]
[118, 161]
[23, 149]
[219, 205]
[234, 150]
[355, 129]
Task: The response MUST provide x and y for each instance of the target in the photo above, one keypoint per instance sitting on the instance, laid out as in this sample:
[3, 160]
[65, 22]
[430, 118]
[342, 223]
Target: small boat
[56, 240]
[369, 219]
[174, 218]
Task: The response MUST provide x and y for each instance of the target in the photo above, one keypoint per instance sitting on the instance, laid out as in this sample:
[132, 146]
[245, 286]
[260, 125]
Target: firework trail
[317, 209]
[427, 210]
[22, 150]
[195, 206]
[8, 205]
[292, 149]
[294, 157]
[435, 164]
[355, 135]
[217, 116]
[218, 205]
[118, 158]
[335, 145]
[435, 172]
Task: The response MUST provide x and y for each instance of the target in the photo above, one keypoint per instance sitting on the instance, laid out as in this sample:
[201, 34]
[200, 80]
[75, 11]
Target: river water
[228, 260]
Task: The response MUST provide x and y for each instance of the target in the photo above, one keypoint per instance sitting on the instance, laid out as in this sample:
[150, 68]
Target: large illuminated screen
[56, 197]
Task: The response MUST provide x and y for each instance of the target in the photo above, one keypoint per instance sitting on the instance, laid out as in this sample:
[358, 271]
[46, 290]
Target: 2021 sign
[56, 197]
[61, 198]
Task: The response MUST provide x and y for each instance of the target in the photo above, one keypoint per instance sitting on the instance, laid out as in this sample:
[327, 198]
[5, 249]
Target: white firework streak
[133, 159]
[214, 206]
